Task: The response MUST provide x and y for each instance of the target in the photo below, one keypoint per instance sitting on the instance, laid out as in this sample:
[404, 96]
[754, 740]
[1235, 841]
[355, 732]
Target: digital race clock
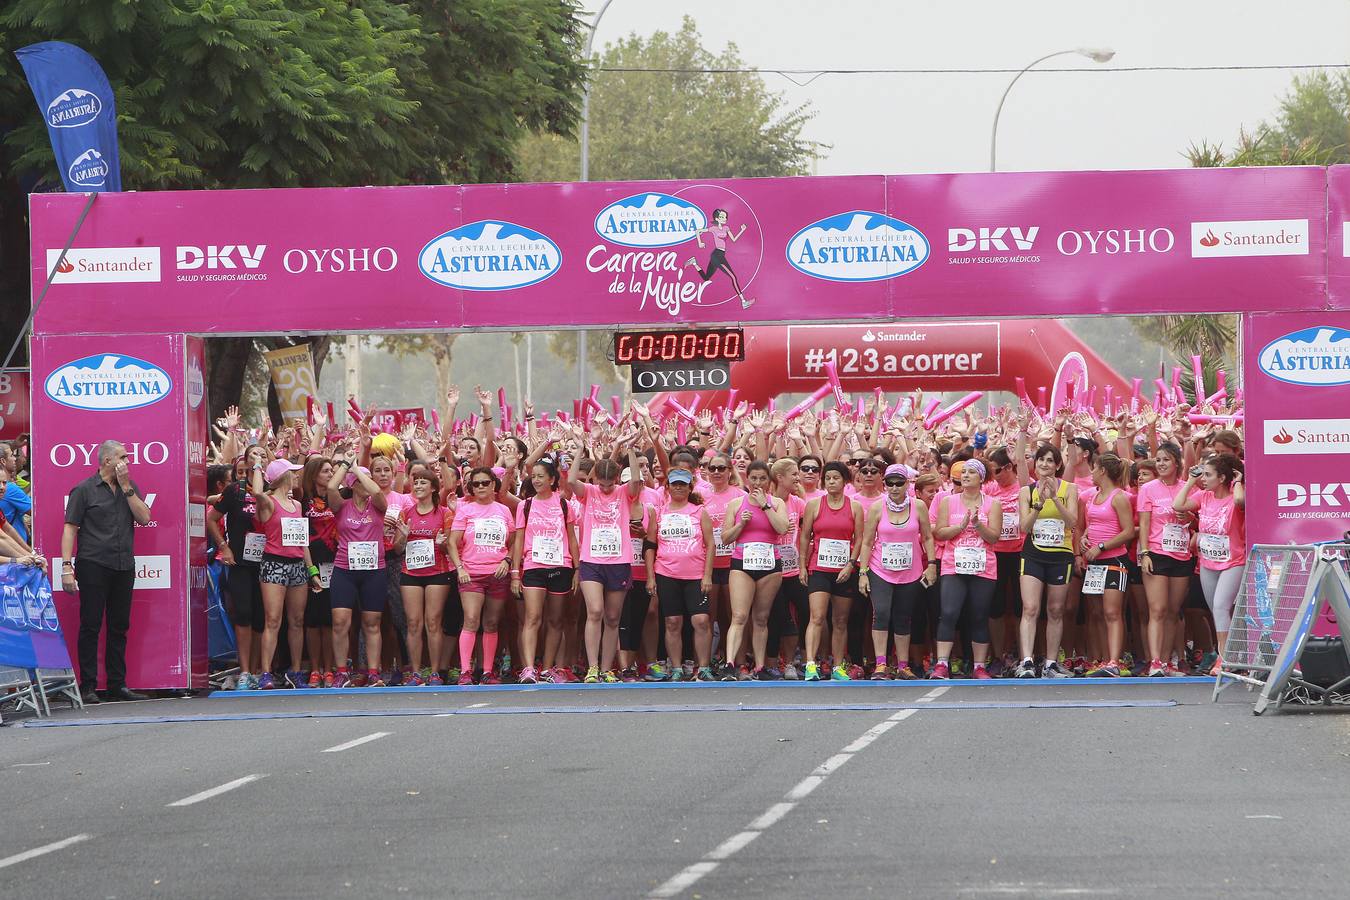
[701, 345]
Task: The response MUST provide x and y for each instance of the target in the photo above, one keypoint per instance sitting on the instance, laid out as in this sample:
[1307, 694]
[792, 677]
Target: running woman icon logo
[857, 246]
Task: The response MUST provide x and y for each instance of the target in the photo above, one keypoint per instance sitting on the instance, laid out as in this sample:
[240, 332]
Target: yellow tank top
[1049, 534]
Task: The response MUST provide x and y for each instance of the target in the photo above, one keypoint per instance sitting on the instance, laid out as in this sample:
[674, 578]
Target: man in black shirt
[100, 513]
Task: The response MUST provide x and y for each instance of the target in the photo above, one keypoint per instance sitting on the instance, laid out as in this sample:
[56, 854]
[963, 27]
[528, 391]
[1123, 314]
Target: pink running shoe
[941, 672]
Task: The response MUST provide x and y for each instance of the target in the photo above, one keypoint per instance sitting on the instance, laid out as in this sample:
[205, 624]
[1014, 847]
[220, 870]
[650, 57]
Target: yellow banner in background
[292, 370]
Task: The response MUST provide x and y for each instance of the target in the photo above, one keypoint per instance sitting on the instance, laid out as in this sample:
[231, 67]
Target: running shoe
[315, 679]
[995, 667]
[689, 669]
[656, 672]
[563, 675]
[839, 673]
[357, 679]
[340, 679]
[374, 679]
[881, 673]
[392, 678]
[629, 675]
[612, 677]
[435, 679]
[267, 682]
[1025, 669]
[677, 674]
[490, 678]
[812, 672]
[327, 679]
[1052, 670]
[941, 672]
[465, 679]
[1127, 661]
[1109, 670]
[292, 679]
[244, 683]
[1174, 672]
[727, 673]
[856, 673]
[452, 674]
[592, 675]
[905, 673]
[774, 673]
[982, 673]
[958, 668]
[705, 673]
[744, 674]
[1156, 669]
[790, 673]
[414, 679]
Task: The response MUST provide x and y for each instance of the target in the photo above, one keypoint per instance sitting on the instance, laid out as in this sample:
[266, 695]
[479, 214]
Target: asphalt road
[991, 791]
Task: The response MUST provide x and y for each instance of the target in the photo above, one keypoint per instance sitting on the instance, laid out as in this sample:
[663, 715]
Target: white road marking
[1263, 817]
[44, 849]
[731, 846]
[476, 705]
[934, 694]
[358, 742]
[216, 791]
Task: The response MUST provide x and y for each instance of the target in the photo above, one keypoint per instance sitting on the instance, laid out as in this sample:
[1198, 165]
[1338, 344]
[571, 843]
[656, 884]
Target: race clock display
[679, 346]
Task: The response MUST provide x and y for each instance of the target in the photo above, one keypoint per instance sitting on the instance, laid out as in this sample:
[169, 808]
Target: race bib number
[363, 556]
[638, 558]
[1175, 539]
[325, 575]
[490, 534]
[832, 553]
[791, 558]
[1048, 533]
[722, 549]
[1009, 530]
[606, 542]
[970, 560]
[546, 551]
[1094, 580]
[421, 554]
[294, 532]
[676, 527]
[757, 556]
[254, 544]
[897, 557]
[1215, 548]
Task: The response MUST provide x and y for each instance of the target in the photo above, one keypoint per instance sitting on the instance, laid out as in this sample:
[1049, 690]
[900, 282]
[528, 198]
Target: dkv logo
[108, 382]
[1315, 357]
[650, 220]
[73, 108]
[857, 246]
[490, 255]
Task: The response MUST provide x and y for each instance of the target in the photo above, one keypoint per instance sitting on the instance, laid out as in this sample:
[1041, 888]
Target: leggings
[1221, 590]
[718, 260]
[956, 591]
[634, 616]
[893, 604]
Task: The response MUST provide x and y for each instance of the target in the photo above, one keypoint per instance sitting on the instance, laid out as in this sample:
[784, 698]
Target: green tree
[290, 93]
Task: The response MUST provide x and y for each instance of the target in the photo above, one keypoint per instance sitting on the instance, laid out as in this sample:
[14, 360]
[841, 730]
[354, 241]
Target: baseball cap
[902, 470]
[351, 476]
[626, 475]
[680, 476]
[278, 467]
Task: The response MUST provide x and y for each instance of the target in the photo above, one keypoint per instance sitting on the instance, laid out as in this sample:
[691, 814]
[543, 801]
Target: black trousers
[104, 593]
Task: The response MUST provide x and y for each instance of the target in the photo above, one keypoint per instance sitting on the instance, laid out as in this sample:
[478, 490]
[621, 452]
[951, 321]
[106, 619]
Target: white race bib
[546, 550]
[897, 557]
[254, 544]
[1094, 580]
[1009, 530]
[325, 575]
[791, 558]
[421, 554]
[606, 542]
[638, 558]
[1215, 548]
[489, 534]
[294, 532]
[363, 556]
[1048, 533]
[970, 560]
[832, 553]
[722, 549]
[757, 556]
[1175, 539]
[676, 527]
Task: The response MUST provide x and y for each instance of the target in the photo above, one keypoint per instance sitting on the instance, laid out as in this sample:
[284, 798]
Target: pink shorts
[487, 585]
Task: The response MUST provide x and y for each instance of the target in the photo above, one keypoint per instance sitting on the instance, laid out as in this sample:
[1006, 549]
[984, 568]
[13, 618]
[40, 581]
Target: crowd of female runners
[731, 545]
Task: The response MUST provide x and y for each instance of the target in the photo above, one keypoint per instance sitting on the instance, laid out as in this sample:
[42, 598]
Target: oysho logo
[985, 240]
[650, 220]
[1114, 241]
[335, 260]
[148, 453]
[1317, 357]
[490, 255]
[89, 170]
[1254, 237]
[105, 265]
[857, 246]
[72, 108]
[223, 256]
[1307, 436]
[108, 382]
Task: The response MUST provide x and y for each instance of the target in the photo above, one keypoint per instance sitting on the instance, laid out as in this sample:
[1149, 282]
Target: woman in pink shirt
[809, 467]
[1221, 508]
[359, 578]
[384, 472]
[682, 575]
[756, 523]
[479, 540]
[1107, 532]
[423, 531]
[720, 235]
[720, 493]
[543, 558]
[970, 523]
[1164, 555]
[286, 570]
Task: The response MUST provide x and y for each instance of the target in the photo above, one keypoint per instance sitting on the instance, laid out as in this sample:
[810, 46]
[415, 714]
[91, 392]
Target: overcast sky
[941, 122]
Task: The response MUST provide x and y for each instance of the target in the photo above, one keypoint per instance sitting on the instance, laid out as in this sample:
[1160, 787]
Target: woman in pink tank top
[286, 566]
[970, 523]
[1222, 541]
[1109, 529]
[754, 523]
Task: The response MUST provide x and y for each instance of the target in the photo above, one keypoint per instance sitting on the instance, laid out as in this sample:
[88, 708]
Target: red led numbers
[703, 345]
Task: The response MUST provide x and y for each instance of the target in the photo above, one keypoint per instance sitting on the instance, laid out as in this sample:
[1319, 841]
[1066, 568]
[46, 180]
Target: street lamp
[1096, 54]
[586, 174]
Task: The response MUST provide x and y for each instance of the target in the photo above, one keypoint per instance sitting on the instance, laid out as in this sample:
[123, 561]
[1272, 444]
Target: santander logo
[1209, 240]
[66, 267]
[1282, 437]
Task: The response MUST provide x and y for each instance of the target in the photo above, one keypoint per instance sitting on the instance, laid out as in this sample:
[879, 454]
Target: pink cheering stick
[562, 416]
[510, 413]
[576, 409]
[694, 404]
[1199, 375]
[1135, 384]
[1198, 419]
[501, 402]
[683, 413]
[845, 409]
[731, 399]
[772, 407]
[1221, 376]
[952, 410]
[332, 419]
[816, 396]
[832, 373]
[616, 404]
[1040, 400]
[1176, 385]
[1164, 393]
[436, 421]
[930, 408]
[1217, 397]
[473, 422]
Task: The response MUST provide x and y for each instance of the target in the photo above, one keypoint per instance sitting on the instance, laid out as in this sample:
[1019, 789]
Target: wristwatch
[1101, 547]
[129, 492]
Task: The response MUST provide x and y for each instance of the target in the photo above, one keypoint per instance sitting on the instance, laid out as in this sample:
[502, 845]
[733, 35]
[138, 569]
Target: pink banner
[857, 247]
[132, 389]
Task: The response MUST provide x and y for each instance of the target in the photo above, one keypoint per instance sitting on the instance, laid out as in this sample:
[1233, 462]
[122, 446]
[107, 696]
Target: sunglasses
[994, 470]
[896, 482]
[869, 470]
[807, 470]
[479, 484]
[855, 462]
[717, 468]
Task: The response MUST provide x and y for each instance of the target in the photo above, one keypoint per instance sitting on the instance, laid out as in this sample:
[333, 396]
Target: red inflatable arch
[903, 356]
